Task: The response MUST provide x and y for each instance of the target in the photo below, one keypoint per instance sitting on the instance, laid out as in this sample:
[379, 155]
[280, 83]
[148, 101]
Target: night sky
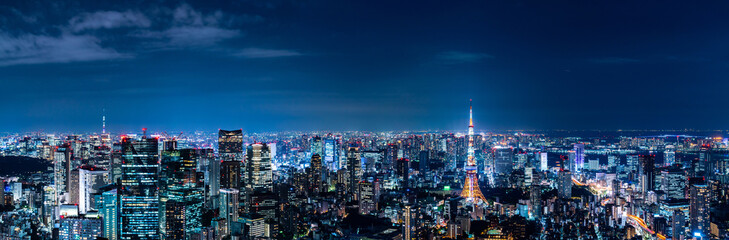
[363, 65]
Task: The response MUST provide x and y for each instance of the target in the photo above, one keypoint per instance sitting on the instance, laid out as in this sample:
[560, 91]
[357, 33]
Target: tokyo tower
[471, 191]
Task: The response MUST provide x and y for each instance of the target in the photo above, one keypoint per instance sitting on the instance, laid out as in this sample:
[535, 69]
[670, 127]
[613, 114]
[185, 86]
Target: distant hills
[17, 165]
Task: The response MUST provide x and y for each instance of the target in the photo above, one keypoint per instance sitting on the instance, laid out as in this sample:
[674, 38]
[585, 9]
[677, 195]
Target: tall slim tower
[471, 190]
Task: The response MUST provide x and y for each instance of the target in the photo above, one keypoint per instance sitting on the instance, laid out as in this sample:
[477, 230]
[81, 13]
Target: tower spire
[470, 113]
[103, 121]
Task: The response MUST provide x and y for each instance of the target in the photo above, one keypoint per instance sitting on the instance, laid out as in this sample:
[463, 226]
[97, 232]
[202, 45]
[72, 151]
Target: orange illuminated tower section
[471, 191]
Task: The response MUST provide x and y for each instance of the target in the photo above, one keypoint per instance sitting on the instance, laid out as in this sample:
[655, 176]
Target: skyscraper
[139, 195]
[316, 174]
[354, 170]
[228, 207]
[699, 209]
[471, 191]
[673, 182]
[230, 174]
[316, 146]
[109, 210]
[579, 161]
[258, 168]
[330, 153]
[647, 173]
[230, 143]
[181, 195]
[62, 172]
[565, 184]
[368, 196]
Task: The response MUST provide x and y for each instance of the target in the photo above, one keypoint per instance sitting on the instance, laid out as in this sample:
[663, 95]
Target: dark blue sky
[363, 65]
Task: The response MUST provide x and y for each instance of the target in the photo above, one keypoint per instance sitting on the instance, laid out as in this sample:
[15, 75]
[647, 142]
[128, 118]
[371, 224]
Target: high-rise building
[354, 170]
[62, 172]
[316, 146]
[565, 184]
[543, 162]
[230, 174]
[471, 190]
[402, 171]
[669, 155]
[673, 182]
[407, 223]
[259, 175]
[85, 182]
[699, 209]
[330, 154]
[647, 173]
[109, 204]
[579, 162]
[230, 143]
[316, 174]
[228, 208]
[80, 228]
[503, 165]
[181, 194]
[368, 195]
[139, 195]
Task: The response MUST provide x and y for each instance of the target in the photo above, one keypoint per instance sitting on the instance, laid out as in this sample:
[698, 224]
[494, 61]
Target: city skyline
[325, 65]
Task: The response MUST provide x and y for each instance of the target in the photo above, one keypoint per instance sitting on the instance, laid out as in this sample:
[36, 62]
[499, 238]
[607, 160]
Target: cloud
[615, 60]
[108, 20]
[265, 53]
[191, 28]
[36, 49]
[453, 57]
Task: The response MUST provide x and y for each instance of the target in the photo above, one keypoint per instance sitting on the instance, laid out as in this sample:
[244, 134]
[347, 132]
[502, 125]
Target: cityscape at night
[404, 120]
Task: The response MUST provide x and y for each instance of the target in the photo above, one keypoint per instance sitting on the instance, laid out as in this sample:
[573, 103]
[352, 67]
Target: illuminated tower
[471, 191]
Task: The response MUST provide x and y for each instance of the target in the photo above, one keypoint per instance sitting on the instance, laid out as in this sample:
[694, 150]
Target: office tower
[230, 174]
[673, 182]
[407, 223]
[678, 225]
[391, 155]
[402, 170]
[503, 164]
[230, 144]
[80, 228]
[423, 161]
[368, 196]
[632, 162]
[116, 162]
[315, 174]
[535, 197]
[62, 172]
[316, 146]
[85, 182]
[565, 184]
[612, 160]
[669, 155]
[228, 208]
[330, 154]
[109, 204]
[471, 190]
[699, 209]
[543, 162]
[139, 195]
[579, 161]
[212, 177]
[259, 175]
[354, 170]
[647, 174]
[73, 187]
[181, 195]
